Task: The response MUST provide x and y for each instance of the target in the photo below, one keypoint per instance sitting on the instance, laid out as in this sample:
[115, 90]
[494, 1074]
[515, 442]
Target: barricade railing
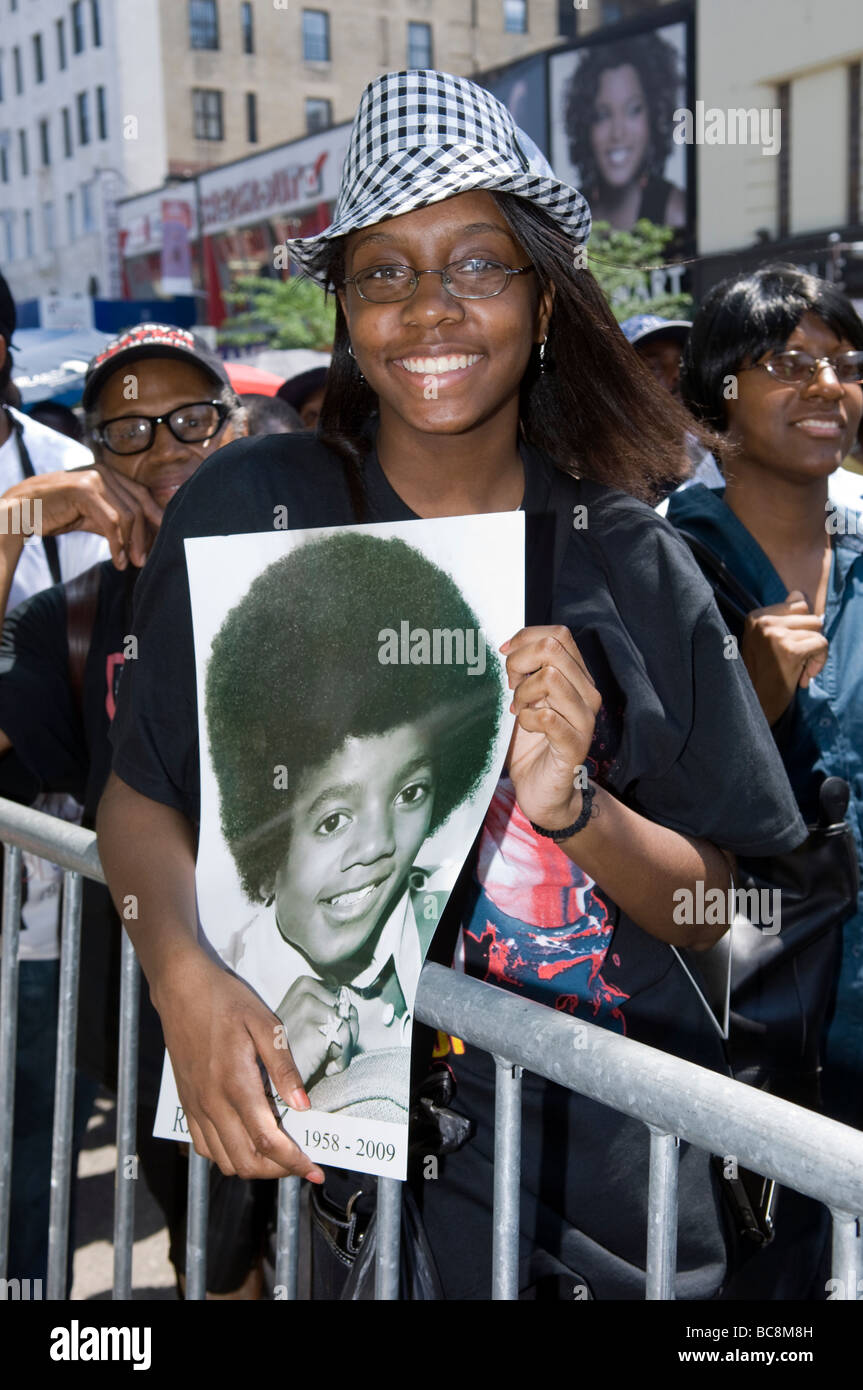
[675, 1099]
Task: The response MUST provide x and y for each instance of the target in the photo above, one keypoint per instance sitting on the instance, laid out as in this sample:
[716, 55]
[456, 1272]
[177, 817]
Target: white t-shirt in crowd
[49, 452]
[846, 488]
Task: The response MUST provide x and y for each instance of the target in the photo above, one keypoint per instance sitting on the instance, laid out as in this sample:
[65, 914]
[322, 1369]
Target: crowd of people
[708, 732]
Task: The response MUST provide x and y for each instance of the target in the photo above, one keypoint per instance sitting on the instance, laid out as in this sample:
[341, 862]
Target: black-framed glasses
[191, 424]
[797, 368]
[471, 279]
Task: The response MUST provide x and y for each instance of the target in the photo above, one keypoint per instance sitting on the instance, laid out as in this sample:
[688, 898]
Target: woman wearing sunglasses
[774, 363]
[477, 368]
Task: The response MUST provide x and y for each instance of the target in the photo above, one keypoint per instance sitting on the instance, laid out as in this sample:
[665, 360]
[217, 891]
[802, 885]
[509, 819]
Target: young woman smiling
[795, 345]
[475, 370]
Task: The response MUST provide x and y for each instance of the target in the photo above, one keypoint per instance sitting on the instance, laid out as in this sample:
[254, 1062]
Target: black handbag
[344, 1242]
[783, 984]
[418, 1276]
[344, 1218]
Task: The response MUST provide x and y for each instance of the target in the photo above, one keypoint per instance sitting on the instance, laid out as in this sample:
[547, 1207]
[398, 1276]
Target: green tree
[630, 269]
[293, 313]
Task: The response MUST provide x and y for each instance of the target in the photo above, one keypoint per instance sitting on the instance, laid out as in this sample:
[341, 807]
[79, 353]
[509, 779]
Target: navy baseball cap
[297, 389]
[150, 340]
[641, 326]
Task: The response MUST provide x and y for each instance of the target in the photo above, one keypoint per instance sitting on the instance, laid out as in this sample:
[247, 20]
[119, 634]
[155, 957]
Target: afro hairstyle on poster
[295, 671]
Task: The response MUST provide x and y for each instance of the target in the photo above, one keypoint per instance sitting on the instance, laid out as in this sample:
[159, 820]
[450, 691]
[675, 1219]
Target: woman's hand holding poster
[353, 716]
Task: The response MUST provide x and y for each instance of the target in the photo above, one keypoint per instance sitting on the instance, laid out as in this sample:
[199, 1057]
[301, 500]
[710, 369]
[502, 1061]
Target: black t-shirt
[62, 740]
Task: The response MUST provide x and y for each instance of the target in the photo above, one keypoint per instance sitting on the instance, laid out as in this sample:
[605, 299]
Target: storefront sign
[279, 181]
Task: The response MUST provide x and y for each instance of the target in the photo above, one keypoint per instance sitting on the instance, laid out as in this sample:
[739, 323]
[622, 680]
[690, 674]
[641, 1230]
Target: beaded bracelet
[584, 816]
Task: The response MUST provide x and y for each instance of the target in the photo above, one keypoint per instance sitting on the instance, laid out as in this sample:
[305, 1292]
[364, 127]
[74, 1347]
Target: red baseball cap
[150, 340]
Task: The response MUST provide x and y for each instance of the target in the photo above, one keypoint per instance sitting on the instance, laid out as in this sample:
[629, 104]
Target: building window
[247, 27]
[316, 36]
[855, 210]
[96, 23]
[83, 118]
[48, 238]
[207, 108]
[61, 44]
[611, 11]
[515, 16]
[783, 171]
[28, 232]
[10, 238]
[251, 118]
[23, 153]
[19, 75]
[419, 45]
[4, 165]
[567, 19]
[203, 24]
[319, 114]
[38, 60]
[67, 132]
[78, 26]
[71, 229]
[102, 113]
[45, 143]
[88, 221]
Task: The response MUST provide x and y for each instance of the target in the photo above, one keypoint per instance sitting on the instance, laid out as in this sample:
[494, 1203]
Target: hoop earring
[351, 354]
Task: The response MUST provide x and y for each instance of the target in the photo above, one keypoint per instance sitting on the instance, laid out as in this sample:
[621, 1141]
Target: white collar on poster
[270, 964]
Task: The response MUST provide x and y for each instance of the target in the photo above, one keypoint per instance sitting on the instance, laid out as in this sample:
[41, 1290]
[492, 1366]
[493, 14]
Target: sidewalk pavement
[152, 1274]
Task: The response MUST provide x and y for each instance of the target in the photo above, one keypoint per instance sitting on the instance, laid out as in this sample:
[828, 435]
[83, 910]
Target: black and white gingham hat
[420, 137]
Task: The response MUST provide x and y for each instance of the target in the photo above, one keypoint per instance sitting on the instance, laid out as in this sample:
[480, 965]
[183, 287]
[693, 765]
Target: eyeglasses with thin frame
[191, 424]
[797, 368]
[474, 278]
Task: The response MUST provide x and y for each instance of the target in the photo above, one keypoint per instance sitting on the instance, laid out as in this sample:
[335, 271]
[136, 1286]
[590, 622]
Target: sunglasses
[134, 434]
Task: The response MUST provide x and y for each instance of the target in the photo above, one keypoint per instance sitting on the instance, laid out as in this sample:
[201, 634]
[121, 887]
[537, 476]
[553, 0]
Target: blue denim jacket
[821, 734]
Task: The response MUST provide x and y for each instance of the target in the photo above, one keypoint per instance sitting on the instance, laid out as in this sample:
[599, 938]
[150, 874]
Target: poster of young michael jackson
[353, 724]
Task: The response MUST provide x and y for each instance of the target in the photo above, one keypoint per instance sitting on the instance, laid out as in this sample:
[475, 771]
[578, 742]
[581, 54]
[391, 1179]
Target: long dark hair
[595, 410]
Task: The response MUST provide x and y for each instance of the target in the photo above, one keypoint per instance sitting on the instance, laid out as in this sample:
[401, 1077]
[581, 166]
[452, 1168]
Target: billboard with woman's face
[612, 120]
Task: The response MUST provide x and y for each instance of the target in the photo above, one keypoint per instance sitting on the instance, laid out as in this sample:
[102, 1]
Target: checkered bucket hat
[420, 137]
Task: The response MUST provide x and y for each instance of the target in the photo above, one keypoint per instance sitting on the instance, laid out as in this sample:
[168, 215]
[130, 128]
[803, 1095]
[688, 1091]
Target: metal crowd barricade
[676, 1100]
